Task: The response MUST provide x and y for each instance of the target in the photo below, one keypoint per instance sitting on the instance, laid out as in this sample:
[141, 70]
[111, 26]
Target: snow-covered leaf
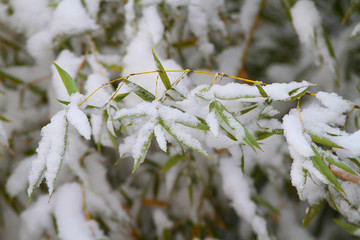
[142, 143]
[179, 134]
[323, 140]
[77, 117]
[324, 170]
[67, 80]
[160, 137]
[175, 95]
[140, 91]
[50, 153]
[236, 126]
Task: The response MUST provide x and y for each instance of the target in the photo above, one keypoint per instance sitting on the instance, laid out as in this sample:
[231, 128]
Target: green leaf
[11, 78]
[329, 45]
[261, 91]
[311, 212]
[235, 125]
[63, 102]
[353, 6]
[172, 162]
[340, 165]
[324, 170]
[120, 97]
[168, 129]
[4, 119]
[323, 141]
[175, 95]
[41, 176]
[143, 151]
[141, 92]
[260, 135]
[68, 81]
[348, 227]
[260, 200]
[242, 112]
[164, 77]
[297, 95]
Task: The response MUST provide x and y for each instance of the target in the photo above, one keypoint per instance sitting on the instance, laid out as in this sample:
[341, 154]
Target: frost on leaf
[50, 153]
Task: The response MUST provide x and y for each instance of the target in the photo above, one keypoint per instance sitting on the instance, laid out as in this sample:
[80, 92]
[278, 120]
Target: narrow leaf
[68, 81]
[297, 95]
[140, 91]
[324, 169]
[340, 165]
[4, 119]
[311, 212]
[235, 125]
[120, 97]
[260, 200]
[172, 162]
[348, 227]
[11, 78]
[175, 95]
[184, 138]
[353, 6]
[261, 91]
[144, 148]
[323, 141]
[164, 77]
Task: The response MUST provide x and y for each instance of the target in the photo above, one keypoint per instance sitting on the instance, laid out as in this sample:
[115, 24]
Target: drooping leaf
[348, 227]
[164, 77]
[236, 126]
[311, 212]
[324, 170]
[144, 148]
[61, 160]
[140, 91]
[68, 81]
[172, 161]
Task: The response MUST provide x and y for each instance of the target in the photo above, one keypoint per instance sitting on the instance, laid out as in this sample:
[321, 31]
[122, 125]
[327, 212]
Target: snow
[66, 14]
[55, 155]
[161, 221]
[295, 136]
[37, 219]
[77, 117]
[102, 96]
[145, 132]
[69, 212]
[306, 20]
[237, 189]
[18, 180]
[30, 17]
[248, 13]
[213, 123]
[280, 91]
[160, 137]
[3, 137]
